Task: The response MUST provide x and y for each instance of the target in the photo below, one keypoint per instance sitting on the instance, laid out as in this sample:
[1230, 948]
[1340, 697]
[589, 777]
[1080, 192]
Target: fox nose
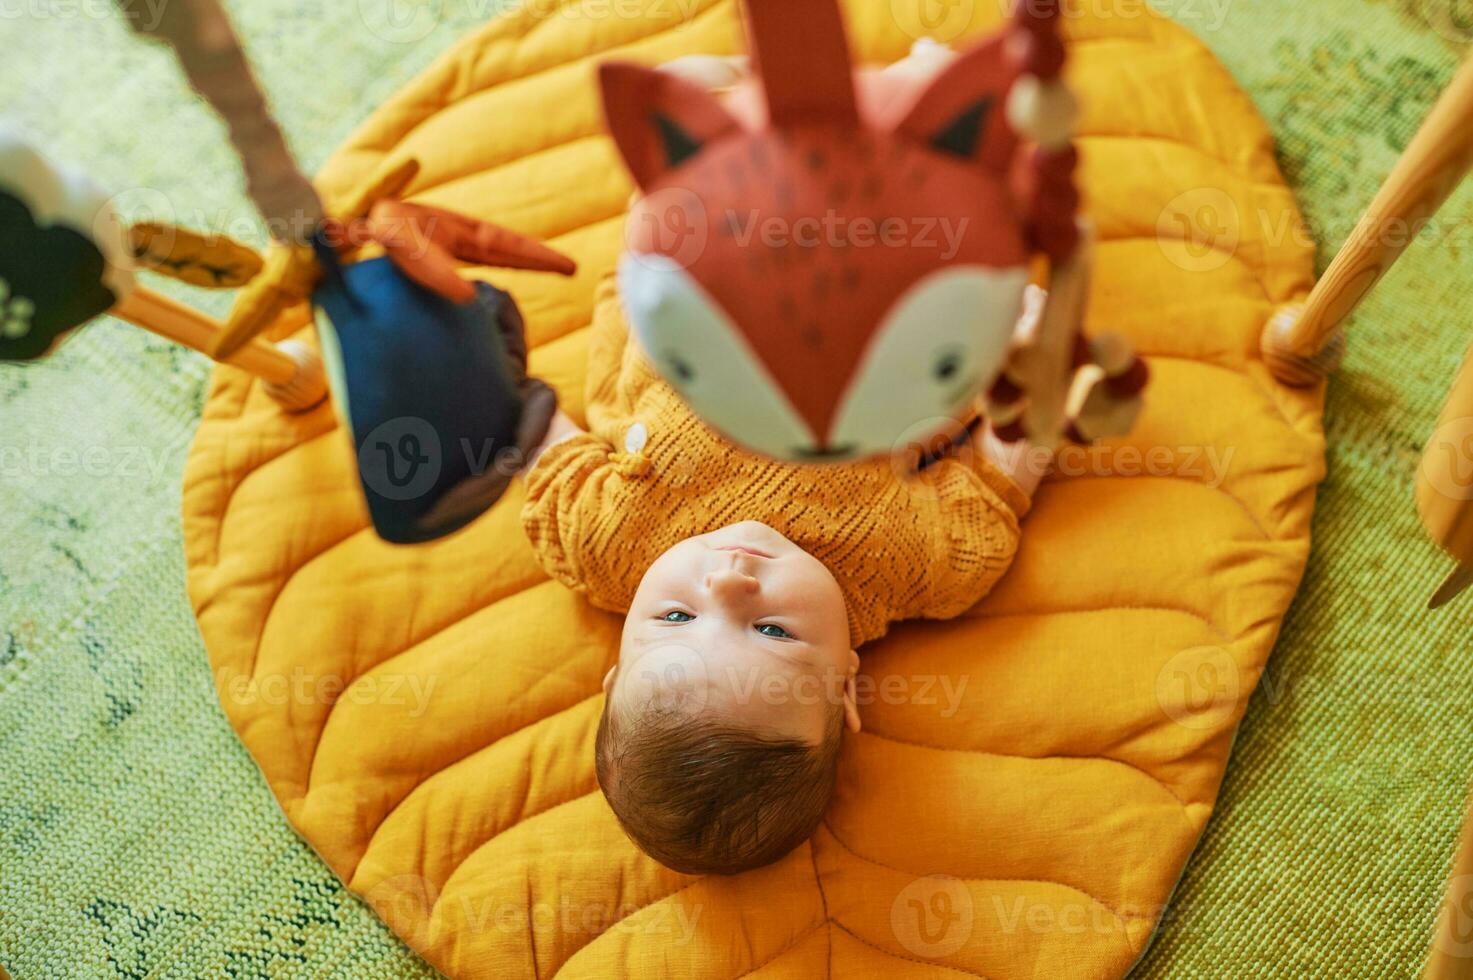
[730, 584]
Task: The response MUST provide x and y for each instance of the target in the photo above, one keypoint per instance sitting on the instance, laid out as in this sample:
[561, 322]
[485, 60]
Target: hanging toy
[828, 264]
[428, 370]
[64, 255]
[1057, 382]
[67, 257]
[422, 362]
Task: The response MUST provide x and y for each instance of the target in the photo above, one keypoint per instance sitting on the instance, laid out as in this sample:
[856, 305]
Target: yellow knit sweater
[603, 505]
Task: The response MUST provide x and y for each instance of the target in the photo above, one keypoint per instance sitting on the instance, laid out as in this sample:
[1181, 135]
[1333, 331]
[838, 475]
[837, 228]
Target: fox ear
[959, 112]
[658, 120]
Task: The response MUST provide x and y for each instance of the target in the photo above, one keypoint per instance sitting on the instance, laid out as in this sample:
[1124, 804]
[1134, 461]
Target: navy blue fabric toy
[434, 394]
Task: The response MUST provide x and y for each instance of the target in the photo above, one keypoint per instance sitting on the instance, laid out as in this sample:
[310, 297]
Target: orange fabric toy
[833, 265]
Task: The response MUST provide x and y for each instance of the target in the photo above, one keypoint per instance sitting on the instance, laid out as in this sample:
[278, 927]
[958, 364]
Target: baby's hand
[562, 427]
[926, 59]
[1025, 463]
[711, 72]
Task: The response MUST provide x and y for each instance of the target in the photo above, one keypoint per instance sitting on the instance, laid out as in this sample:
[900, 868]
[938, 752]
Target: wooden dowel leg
[292, 372]
[1300, 345]
[1455, 584]
[1451, 956]
[1444, 485]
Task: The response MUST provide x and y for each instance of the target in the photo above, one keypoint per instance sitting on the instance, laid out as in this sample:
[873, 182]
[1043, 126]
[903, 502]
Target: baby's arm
[577, 504]
[583, 493]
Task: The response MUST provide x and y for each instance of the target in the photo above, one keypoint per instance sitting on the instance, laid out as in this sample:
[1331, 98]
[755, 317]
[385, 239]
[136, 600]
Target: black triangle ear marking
[679, 145]
[962, 136]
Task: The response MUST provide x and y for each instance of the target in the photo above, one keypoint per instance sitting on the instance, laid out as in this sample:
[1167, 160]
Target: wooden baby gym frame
[291, 371]
[1302, 344]
[204, 42]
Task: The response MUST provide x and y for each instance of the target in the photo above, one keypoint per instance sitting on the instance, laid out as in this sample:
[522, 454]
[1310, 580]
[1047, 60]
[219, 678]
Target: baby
[748, 585]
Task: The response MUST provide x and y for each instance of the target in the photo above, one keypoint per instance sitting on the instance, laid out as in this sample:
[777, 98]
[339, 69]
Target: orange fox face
[834, 275]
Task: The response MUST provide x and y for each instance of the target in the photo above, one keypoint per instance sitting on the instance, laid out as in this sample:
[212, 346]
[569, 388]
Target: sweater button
[636, 438]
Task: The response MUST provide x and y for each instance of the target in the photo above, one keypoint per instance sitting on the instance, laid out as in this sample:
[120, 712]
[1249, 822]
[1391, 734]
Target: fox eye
[775, 631]
[680, 368]
[696, 346]
[948, 363]
[677, 616]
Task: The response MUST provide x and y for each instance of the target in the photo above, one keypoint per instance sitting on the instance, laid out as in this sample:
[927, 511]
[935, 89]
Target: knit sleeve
[977, 534]
[1001, 484]
[575, 493]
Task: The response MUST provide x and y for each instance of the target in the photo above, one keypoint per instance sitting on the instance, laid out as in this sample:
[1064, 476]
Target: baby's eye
[677, 616]
[774, 630]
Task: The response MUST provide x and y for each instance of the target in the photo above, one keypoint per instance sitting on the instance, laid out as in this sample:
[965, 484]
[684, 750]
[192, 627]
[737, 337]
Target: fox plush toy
[825, 264]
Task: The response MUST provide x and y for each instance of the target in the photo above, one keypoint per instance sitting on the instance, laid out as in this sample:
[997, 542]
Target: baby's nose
[730, 583]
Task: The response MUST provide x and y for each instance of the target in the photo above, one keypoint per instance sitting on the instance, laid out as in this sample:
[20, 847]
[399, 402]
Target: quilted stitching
[445, 771]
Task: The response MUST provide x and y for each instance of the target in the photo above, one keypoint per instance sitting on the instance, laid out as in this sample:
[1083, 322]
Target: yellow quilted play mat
[1031, 778]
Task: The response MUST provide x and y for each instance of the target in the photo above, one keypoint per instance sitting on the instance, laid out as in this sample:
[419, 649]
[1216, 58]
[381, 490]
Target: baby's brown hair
[702, 797]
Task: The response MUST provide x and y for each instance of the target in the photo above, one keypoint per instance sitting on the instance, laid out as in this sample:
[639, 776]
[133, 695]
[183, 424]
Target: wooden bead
[1043, 111]
[1102, 415]
[1056, 239]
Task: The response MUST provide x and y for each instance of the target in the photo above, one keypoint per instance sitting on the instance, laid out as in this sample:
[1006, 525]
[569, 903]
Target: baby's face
[741, 624]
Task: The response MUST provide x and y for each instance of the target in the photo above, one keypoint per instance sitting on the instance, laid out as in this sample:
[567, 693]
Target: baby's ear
[851, 695]
[960, 111]
[609, 678]
[658, 119]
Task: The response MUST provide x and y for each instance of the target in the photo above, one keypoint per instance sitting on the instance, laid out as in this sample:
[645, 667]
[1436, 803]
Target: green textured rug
[136, 838]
